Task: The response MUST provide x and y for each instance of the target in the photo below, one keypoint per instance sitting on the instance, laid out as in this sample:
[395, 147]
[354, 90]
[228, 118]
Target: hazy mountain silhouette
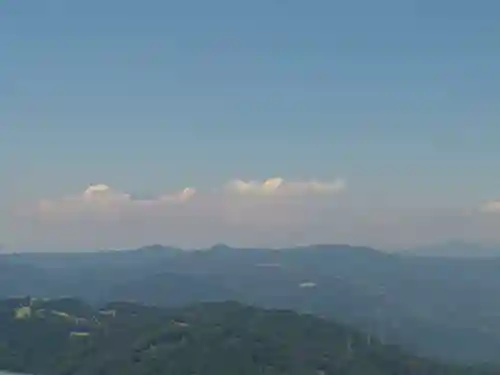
[446, 307]
[455, 249]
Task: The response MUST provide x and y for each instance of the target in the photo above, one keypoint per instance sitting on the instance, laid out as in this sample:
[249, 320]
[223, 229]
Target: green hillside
[59, 337]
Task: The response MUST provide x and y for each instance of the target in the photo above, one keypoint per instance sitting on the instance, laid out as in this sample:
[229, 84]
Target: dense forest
[69, 337]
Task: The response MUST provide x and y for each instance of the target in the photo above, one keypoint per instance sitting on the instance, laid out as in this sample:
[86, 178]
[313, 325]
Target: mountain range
[457, 249]
[443, 307]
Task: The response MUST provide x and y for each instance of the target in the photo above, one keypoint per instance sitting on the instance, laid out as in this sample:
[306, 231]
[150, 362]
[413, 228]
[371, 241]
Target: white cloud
[102, 199]
[276, 202]
[491, 206]
[102, 216]
[103, 193]
[278, 186]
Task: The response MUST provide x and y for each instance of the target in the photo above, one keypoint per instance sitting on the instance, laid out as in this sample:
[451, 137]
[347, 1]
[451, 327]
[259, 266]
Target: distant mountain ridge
[457, 249]
[435, 306]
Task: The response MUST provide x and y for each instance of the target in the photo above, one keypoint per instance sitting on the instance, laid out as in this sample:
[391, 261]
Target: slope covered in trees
[67, 337]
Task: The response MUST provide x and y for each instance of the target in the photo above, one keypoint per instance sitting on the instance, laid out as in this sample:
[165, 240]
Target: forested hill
[66, 336]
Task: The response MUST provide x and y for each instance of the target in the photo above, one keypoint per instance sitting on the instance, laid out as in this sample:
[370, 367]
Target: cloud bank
[101, 199]
[242, 212]
[238, 212]
[277, 186]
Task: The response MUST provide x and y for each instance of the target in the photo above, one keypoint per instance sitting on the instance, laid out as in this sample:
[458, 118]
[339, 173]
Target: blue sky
[399, 98]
